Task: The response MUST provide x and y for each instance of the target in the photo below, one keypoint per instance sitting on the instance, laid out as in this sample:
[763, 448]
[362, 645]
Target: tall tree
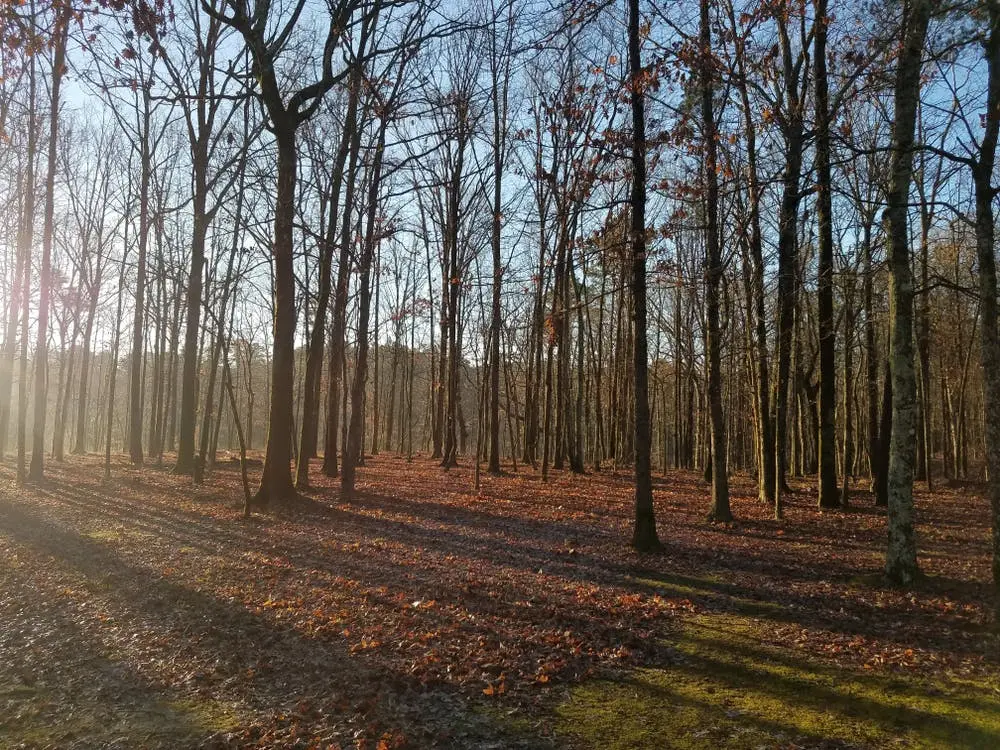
[720, 510]
[204, 102]
[36, 470]
[500, 53]
[901, 554]
[644, 537]
[22, 272]
[266, 32]
[791, 118]
[828, 497]
[985, 194]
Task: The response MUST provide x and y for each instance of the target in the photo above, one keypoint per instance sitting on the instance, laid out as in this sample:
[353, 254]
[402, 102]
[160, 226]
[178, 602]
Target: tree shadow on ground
[723, 689]
[442, 593]
[221, 651]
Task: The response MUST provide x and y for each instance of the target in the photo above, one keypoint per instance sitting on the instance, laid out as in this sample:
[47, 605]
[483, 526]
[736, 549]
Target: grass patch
[104, 535]
[113, 535]
[726, 689]
[38, 717]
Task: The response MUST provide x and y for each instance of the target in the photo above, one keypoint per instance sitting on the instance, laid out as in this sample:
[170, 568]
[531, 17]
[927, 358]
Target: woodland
[386, 374]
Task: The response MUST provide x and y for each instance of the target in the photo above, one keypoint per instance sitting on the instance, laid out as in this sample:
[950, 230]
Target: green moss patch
[32, 717]
[726, 689]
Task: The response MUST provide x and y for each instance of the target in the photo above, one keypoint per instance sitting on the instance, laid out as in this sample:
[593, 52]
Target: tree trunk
[644, 537]
[338, 343]
[827, 479]
[986, 255]
[189, 370]
[355, 437]
[80, 445]
[766, 449]
[37, 469]
[22, 271]
[276, 480]
[314, 358]
[848, 393]
[720, 510]
[901, 554]
[787, 263]
[135, 380]
[871, 358]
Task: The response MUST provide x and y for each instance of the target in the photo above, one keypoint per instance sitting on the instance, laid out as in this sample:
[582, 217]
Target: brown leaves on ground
[420, 614]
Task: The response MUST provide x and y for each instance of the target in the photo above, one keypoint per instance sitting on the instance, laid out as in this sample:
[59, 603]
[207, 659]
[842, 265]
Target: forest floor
[145, 612]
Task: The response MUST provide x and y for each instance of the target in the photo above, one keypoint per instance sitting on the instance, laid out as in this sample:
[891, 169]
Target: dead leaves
[341, 622]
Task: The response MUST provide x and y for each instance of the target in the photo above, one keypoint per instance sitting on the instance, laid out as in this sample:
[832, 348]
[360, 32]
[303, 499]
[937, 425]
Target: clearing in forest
[147, 613]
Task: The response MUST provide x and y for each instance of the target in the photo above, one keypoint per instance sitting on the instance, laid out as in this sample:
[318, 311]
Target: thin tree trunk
[19, 301]
[354, 445]
[37, 469]
[138, 318]
[787, 263]
[827, 480]
[80, 445]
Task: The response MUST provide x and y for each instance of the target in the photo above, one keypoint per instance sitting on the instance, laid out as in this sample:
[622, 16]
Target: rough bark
[986, 255]
[720, 510]
[827, 479]
[644, 537]
[276, 480]
[901, 553]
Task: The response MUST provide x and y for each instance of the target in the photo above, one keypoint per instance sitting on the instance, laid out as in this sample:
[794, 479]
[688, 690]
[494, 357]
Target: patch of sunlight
[104, 535]
[39, 717]
[726, 689]
[115, 534]
[692, 587]
[512, 721]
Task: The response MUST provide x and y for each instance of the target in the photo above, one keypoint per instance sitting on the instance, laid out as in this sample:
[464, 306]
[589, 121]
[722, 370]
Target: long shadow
[465, 539]
[719, 683]
[495, 598]
[834, 612]
[743, 668]
[98, 696]
[492, 541]
[270, 665]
